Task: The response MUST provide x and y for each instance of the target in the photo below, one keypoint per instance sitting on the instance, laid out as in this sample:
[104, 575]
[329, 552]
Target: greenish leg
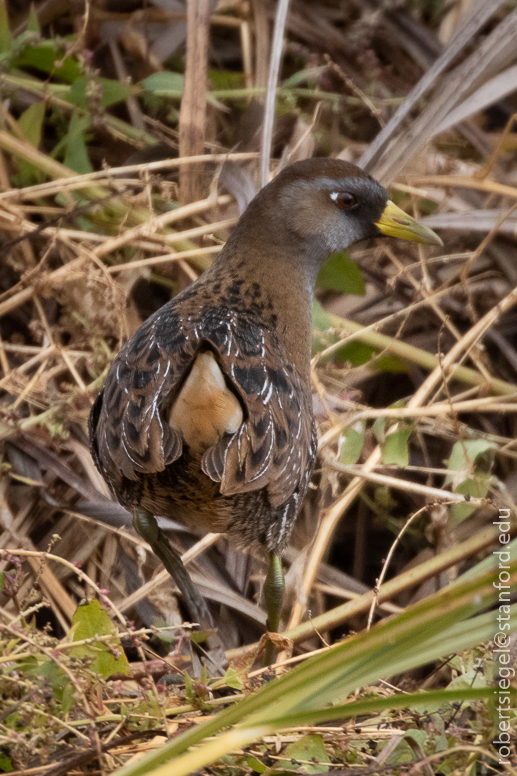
[274, 595]
[145, 524]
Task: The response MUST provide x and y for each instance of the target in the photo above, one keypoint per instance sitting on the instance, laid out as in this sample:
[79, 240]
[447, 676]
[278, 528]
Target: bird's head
[330, 204]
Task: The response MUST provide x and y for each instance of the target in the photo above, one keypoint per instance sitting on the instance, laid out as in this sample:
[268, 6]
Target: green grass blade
[402, 641]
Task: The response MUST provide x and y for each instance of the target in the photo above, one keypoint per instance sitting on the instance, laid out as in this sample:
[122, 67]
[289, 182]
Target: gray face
[336, 212]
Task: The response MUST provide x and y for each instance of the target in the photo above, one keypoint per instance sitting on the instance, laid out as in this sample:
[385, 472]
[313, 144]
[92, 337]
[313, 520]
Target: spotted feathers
[139, 451]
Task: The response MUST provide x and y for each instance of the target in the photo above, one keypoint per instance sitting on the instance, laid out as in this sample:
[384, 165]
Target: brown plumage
[206, 413]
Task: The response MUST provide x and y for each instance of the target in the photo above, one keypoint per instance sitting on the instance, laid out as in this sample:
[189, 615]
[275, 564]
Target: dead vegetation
[415, 372]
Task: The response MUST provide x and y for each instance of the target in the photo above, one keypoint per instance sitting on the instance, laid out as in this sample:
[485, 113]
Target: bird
[206, 412]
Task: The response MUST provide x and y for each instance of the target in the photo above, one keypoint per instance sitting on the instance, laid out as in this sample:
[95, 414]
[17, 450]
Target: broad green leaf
[91, 620]
[5, 763]
[340, 273]
[298, 755]
[476, 488]
[31, 122]
[404, 752]
[355, 353]
[351, 443]
[76, 153]
[55, 675]
[321, 320]
[167, 633]
[233, 679]
[379, 429]
[256, 765]
[468, 475]
[391, 363]
[77, 92]
[111, 92]
[463, 458]
[384, 498]
[114, 91]
[164, 84]
[199, 636]
[396, 449]
[468, 679]
[44, 57]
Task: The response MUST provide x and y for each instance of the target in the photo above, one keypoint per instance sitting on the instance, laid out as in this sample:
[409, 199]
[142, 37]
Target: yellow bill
[395, 223]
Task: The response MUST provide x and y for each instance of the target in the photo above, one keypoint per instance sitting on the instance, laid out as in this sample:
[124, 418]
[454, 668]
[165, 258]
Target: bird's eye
[344, 199]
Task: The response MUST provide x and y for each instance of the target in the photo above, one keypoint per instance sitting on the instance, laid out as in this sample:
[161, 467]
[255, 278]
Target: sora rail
[206, 413]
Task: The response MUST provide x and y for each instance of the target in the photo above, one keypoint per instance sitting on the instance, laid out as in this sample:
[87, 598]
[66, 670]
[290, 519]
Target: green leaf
[321, 320]
[77, 92]
[5, 35]
[67, 698]
[351, 443]
[467, 473]
[188, 686]
[2, 581]
[395, 449]
[33, 22]
[199, 636]
[31, 123]
[358, 353]
[297, 756]
[168, 635]
[379, 429]
[444, 623]
[114, 91]
[225, 79]
[309, 74]
[111, 92]
[404, 752]
[45, 56]
[164, 84]
[255, 764]
[340, 273]
[76, 153]
[391, 363]
[5, 764]
[321, 323]
[355, 353]
[464, 456]
[233, 679]
[92, 621]
[55, 675]
[476, 488]
[384, 499]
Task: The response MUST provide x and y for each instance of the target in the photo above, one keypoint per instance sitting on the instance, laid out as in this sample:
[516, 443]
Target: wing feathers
[274, 446]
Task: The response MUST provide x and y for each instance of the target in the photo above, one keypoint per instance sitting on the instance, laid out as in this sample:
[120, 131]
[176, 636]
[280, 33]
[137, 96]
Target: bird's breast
[205, 409]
